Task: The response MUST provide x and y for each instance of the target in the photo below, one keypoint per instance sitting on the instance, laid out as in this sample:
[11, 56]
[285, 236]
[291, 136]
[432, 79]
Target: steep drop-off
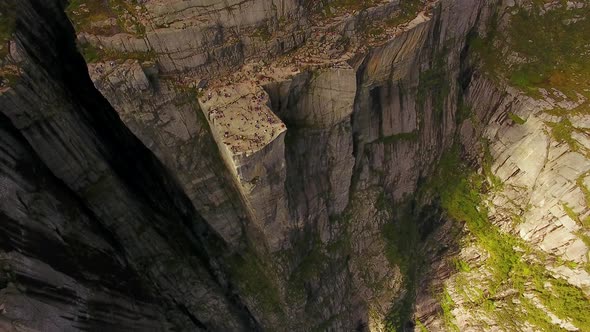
[293, 165]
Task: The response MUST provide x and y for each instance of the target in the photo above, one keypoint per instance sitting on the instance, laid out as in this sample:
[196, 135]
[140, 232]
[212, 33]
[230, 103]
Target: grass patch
[582, 186]
[421, 326]
[570, 213]
[516, 119]
[460, 192]
[105, 17]
[331, 8]
[562, 133]
[93, 54]
[447, 305]
[408, 10]
[585, 238]
[552, 47]
[461, 265]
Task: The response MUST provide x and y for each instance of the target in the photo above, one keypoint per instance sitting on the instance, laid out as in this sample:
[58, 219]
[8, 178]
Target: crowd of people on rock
[246, 123]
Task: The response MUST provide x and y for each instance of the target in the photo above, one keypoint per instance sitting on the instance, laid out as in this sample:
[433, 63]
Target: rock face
[265, 165]
[205, 37]
[113, 182]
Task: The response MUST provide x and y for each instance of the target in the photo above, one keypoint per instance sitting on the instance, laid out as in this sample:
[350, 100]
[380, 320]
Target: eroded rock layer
[292, 165]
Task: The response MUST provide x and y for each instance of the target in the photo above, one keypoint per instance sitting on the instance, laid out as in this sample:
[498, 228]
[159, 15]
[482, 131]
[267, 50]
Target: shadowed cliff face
[87, 171]
[282, 165]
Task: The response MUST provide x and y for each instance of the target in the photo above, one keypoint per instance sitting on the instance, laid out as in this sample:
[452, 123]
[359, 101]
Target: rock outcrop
[276, 165]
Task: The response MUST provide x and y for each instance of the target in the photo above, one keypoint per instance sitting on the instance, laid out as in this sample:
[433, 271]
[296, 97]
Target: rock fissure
[254, 165]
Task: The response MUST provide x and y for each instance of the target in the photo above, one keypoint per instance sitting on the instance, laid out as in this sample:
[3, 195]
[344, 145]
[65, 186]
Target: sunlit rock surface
[264, 165]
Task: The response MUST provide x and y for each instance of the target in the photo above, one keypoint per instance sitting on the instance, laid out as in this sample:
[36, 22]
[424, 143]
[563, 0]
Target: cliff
[293, 165]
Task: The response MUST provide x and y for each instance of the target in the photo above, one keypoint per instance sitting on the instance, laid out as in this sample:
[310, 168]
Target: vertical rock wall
[115, 181]
[289, 233]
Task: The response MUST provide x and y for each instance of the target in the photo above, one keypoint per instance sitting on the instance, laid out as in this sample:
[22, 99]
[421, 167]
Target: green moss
[421, 326]
[374, 31]
[329, 8]
[310, 248]
[325, 325]
[434, 83]
[254, 281]
[464, 112]
[461, 265]
[447, 305]
[571, 265]
[408, 10]
[263, 33]
[567, 301]
[460, 198]
[10, 75]
[91, 16]
[401, 249]
[411, 136]
[487, 162]
[552, 46]
[570, 213]
[585, 238]
[516, 119]
[94, 54]
[7, 26]
[585, 190]
[562, 132]
[383, 202]
[460, 191]
[90, 53]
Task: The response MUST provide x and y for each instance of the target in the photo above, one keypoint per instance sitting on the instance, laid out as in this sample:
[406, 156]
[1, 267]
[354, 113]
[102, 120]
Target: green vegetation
[402, 239]
[461, 195]
[254, 281]
[447, 305]
[94, 54]
[330, 8]
[553, 45]
[516, 119]
[570, 213]
[312, 255]
[105, 17]
[461, 265]
[494, 180]
[582, 186]
[7, 25]
[10, 75]
[585, 238]
[562, 132]
[409, 9]
[411, 136]
[421, 326]
[433, 82]
[557, 45]
[263, 33]
[464, 112]
[308, 268]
